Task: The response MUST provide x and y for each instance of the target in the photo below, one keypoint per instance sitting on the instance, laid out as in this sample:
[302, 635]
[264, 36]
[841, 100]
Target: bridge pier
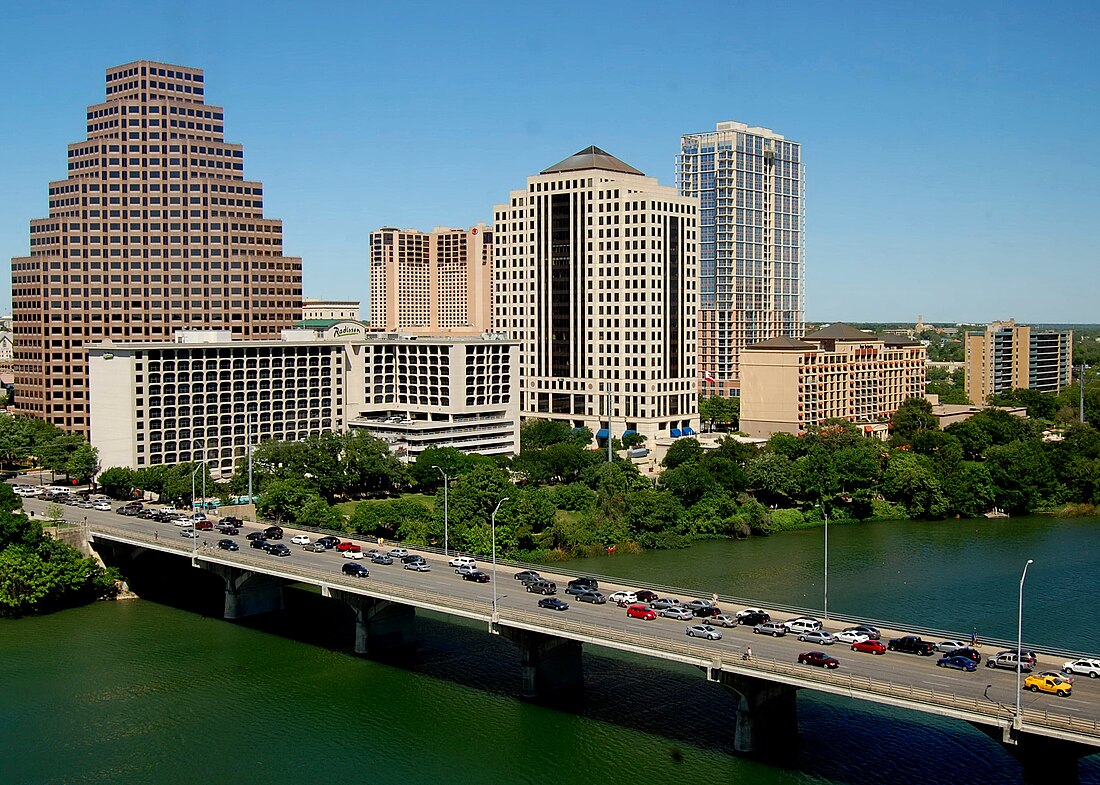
[551, 667]
[380, 625]
[767, 713]
[247, 593]
[1044, 759]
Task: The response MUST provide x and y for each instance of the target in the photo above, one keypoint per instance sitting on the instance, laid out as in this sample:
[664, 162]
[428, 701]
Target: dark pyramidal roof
[839, 331]
[591, 158]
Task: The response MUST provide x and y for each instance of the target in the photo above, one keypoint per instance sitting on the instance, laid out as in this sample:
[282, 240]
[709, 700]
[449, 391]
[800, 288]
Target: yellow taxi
[1052, 684]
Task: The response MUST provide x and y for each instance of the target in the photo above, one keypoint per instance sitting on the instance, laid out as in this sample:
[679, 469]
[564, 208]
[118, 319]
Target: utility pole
[609, 457]
[1082, 405]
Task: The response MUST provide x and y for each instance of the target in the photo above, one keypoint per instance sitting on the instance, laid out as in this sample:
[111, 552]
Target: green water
[139, 692]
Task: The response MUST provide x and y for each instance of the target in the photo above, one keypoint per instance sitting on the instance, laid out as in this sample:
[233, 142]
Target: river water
[141, 692]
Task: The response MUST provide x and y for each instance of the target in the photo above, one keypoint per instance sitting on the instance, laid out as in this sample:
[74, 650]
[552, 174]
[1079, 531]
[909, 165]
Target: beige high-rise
[431, 283]
[154, 229]
[1008, 356]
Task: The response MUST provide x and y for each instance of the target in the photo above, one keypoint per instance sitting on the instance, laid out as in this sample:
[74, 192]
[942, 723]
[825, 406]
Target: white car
[802, 625]
[951, 645]
[183, 522]
[1086, 667]
[104, 506]
[350, 554]
[300, 539]
[628, 597]
[463, 561]
[851, 636]
[167, 510]
[749, 612]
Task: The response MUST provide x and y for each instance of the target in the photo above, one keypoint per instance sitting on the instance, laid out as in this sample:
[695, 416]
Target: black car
[594, 597]
[329, 542]
[255, 536]
[228, 528]
[578, 588]
[527, 575]
[356, 569]
[277, 549]
[645, 595]
[228, 545]
[585, 583]
[554, 604]
[476, 575]
[707, 611]
[231, 520]
[381, 558]
[752, 619]
[412, 557]
[274, 532]
[966, 651]
[258, 542]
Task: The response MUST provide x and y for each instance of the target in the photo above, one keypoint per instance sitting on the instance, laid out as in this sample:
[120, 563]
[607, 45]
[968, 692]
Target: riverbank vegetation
[39, 574]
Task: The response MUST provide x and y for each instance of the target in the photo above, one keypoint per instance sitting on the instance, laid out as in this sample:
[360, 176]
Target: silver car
[723, 620]
[680, 614]
[419, 566]
[818, 636]
[704, 631]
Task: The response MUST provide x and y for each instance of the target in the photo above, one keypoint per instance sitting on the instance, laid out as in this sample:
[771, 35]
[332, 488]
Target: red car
[204, 525]
[872, 646]
[819, 658]
[640, 612]
[348, 546]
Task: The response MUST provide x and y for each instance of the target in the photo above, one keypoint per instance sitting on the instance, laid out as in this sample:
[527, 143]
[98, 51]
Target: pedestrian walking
[748, 653]
[714, 599]
[156, 536]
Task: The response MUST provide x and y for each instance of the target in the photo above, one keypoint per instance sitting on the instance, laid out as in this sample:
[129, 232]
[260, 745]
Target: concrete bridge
[1048, 737]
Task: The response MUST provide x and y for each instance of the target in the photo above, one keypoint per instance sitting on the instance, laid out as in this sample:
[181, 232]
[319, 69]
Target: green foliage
[424, 474]
[912, 418]
[682, 451]
[789, 520]
[717, 410]
[83, 464]
[1040, 405]
[1022, 477]
[118, 482]
[536, 434]
[404, 519]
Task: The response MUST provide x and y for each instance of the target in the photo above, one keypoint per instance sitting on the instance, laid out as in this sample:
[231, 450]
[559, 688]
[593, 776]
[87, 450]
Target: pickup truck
[912, 644]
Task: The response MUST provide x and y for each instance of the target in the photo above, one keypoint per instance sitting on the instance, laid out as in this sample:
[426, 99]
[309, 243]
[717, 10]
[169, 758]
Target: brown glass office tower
[155, 229]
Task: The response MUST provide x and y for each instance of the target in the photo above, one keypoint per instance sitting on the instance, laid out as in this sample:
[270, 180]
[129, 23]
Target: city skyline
[950, 157]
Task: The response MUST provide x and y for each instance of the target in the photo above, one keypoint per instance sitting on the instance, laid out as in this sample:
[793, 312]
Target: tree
[284, 500]
[910, 480]
[682, 451]
[83, 464]
[773, 479]
[536, 434]
[55, 453]
[912, 418]
[118, 482]
[1022, 476]
[721, 411]
[425, 475]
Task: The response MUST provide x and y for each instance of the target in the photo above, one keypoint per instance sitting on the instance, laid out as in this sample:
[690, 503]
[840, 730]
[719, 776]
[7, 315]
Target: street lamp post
[1020, 646]
[493, 521]
[825, 511]
[446, 482]
[194, 540]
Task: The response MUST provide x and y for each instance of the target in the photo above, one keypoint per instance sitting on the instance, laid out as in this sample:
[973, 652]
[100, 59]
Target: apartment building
[431, 283]
[329, 310]
[751, 187]
[205, 396]
[790, 385]
[1007, 356]
[154, 229]
[596, 278]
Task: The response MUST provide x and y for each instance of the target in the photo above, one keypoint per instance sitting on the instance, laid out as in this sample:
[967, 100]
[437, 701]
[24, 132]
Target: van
[463, 561]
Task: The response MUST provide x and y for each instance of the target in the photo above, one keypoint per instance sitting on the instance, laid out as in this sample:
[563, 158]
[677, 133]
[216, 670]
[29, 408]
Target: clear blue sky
[951, 148]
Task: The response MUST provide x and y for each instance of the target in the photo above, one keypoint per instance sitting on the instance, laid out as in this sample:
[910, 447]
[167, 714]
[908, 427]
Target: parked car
[346, 546]
[382, 558]
[628, 597]
[754, 618]
[704, 631]
[1052, 684]
[802, 624]
[724, 620]
[774, 628]
[419, 566]
[1007, 661]
[645, 595]
[329, 541]
[463, 561]
[542, 586]
[958, 663]
[680, 614]
[228, 545]
[274, 532]
[477, 576]
[870, 646]
[850, 636]
[1087, 667]
[641, 612]
[819, 658]
[553, 603]
[356, 569]
[527, 575]
[820, 637]
[594, 597]
[911, 644]
[300, 539]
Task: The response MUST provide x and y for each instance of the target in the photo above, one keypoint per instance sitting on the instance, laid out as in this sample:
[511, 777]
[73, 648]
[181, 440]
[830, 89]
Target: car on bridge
[463, 569]
[620, 597]
[274, 532]
[950, 645]
[912, 644]
[1063, 676]
[578, 588]
[399, 553]
[645, 595]
[967, 652]
[802, 624]
[868, 630]
[818, 658]
[707, 612]
[958, 663]
[774, 628]
[353, 554]
[300, 539]
[463, 561]
[1006, 660]
[585, 582]
[753, 618]
[328, 541]
[1052, 684]
[542, 586]
[1087, 667]
[704, 631]
[412, 557]
[355, 569]
[255, 536]
[228, 545]
[643, 612]
[418, 566]
[693, 605]
[477, 576]
[594, 597]
[257, 542]
[663, 602]
[191, 533]
[346, 546]
[230, 530]
[527, 575]
[724, 620]
[314, 547]
[869, 645]
[679, 614]
[204, 525]
[554, 604]
[103, 506]
[381, 558]
[820, 637]
[851, 636]
[277, 549]
[231, 521]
